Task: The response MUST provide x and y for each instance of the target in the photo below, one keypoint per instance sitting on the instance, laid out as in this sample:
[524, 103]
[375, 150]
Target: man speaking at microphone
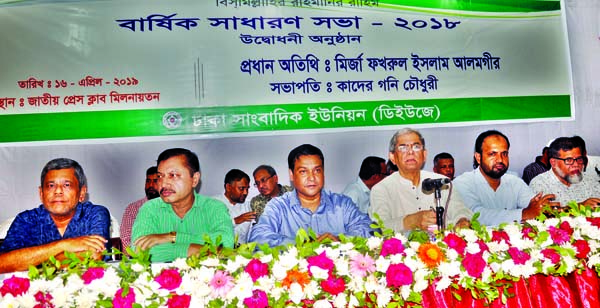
[400, 200]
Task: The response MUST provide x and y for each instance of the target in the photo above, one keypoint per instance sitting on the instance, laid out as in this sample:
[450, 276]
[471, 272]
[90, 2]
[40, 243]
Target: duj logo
[172, 119]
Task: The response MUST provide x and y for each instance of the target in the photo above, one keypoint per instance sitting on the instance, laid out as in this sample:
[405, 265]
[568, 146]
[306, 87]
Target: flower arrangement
[388, 270]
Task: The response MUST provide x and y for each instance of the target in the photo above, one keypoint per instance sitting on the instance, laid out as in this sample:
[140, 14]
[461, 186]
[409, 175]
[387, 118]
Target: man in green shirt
[174, 225]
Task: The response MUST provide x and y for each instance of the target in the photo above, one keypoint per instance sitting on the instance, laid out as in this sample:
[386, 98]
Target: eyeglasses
[262, 181]
[570, 160]
[415, 147]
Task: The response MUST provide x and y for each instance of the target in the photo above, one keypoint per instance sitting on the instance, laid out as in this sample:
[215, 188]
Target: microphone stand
[439, 209]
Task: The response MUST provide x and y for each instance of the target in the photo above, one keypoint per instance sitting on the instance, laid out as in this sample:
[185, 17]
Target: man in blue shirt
[372, 171]
[64, 222]
[309, 206]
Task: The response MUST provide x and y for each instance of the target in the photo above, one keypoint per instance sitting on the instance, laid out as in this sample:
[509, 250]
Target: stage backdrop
[112, 69]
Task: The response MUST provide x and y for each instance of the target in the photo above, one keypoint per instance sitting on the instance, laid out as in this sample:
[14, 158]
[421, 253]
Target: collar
[324, 205]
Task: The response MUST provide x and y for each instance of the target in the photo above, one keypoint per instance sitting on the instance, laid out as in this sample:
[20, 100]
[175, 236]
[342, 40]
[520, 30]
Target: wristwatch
[173, 235]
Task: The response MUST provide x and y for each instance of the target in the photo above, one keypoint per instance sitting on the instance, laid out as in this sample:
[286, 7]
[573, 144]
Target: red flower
[483, 247]
[169, 279]
[44, 300]
[474, 264]
[92, 274]
[518, 256]
[120, 301]
[257, 300]
[256, 269]
[179, 301]
[565, 226]
[559, 236]
[391, 246]
[595, 221]
[528, 232]
[583, 248]
[455, 242]
[551, 254]
[499, 236]
[321, 261]
[398, 275]
[333, 285]
[15, 286]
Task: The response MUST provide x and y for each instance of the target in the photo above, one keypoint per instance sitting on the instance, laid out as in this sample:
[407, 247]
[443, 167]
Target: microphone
[430, 184]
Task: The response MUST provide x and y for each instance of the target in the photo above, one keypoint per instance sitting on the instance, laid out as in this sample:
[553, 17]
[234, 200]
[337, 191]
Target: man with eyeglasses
[267, 183]
[566, 178]
[372, 171]
[400, 200]
[237, 184]
[64, 222]
[489, 190]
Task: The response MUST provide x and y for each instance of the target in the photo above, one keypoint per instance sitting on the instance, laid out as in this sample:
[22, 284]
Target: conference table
[579, 288]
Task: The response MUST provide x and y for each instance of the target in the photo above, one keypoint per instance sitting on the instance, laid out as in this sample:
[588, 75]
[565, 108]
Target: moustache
[164, 189]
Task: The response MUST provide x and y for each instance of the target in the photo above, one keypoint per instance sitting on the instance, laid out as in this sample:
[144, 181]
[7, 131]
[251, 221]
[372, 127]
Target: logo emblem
[172, 119]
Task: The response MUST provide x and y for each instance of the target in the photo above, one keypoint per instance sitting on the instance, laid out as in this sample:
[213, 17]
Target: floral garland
[356, 272]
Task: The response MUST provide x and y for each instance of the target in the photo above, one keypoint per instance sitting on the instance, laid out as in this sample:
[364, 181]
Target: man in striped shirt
[133, 208]
[176, 224]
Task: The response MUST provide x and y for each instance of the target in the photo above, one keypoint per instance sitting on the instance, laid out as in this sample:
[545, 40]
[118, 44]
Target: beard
[495, 173]
[239, 199]
[571, 178]
[574, 178]
[152, 193]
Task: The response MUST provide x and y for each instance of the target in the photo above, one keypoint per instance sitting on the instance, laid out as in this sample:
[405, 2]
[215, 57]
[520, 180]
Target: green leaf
[542, 237]
[301, 237]
[415, 297]
[312, 235]
[247, 250]
[33, 273]
[107, 303]
[419, 236]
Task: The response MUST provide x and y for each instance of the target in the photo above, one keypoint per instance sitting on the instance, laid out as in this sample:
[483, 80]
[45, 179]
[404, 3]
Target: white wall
[116, 171]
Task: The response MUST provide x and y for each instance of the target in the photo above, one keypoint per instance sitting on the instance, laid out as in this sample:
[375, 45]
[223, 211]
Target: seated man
[566, 180]
[540, 165]
[237, 183]
[64, 222]
[174, 225]
[267, 182]
[498, 196]
[151, 190]
[401, 202]
[443, 163]
[308, 206]
[372, 171]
